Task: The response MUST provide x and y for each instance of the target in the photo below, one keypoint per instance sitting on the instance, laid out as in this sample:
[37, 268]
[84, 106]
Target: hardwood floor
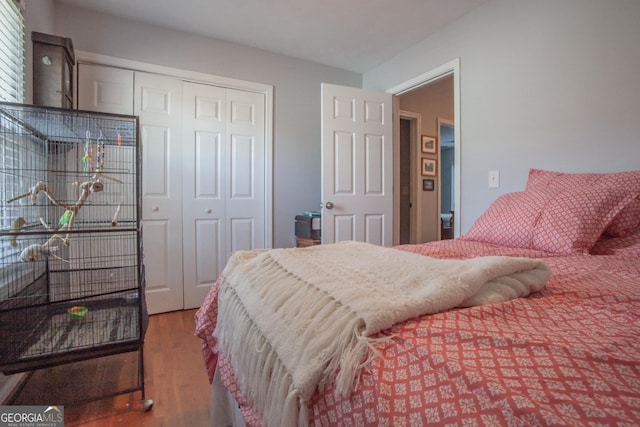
[175, 379]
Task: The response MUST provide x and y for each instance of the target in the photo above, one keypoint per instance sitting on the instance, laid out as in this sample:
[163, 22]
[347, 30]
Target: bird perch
[94, 185]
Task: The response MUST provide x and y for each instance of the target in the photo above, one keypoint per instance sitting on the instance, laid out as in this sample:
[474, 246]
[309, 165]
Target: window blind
[11, 90]
[11, 52]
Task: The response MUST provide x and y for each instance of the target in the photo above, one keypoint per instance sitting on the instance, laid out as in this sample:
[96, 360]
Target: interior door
[357, 159]
[158, 103]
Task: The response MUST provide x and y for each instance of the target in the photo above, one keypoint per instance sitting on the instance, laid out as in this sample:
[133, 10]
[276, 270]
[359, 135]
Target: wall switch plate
[494, 179]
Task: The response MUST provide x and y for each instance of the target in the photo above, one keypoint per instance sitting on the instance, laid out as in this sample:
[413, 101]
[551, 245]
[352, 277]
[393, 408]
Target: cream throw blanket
[291, 319]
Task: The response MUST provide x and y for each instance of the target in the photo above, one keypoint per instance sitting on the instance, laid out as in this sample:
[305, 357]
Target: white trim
[426, 77]
[94, 58]
[439, 122]
[197, 77]
[451, 67]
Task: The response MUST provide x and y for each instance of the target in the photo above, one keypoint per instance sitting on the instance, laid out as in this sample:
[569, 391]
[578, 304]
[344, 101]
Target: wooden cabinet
[53, 61]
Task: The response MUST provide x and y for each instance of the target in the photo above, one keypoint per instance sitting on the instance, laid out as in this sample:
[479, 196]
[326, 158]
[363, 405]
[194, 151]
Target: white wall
[545, 84]
[296, 90]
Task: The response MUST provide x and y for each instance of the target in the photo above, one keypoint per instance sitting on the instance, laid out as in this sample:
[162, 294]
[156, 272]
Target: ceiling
[355, 35]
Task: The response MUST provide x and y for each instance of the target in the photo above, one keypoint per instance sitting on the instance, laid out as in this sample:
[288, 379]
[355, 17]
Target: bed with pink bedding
[567, 354]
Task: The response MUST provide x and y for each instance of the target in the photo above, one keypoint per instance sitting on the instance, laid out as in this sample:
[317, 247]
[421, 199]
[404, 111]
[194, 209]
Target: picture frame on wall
[429, 167]
[429, 144]
[428, 184]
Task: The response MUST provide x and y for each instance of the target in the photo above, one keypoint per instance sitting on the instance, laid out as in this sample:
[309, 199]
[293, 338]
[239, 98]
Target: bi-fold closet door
[203, 188]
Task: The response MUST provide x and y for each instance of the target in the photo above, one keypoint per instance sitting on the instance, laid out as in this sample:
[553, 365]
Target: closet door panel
[207, 242]
[204, 195]
[242, 235]
[245, 179]
[156, 183]
[207, 165]
[105, 89]
[156, 239]
[158, 103]
[242, 160]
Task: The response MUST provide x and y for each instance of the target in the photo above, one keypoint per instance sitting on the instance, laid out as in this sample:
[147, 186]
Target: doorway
[425, 205]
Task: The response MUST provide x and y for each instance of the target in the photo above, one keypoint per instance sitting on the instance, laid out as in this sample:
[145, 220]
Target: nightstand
[303, 243]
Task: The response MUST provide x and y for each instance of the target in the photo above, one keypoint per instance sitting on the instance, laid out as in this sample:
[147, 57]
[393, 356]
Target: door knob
[328, 205]
[208, 211]
[155, 208]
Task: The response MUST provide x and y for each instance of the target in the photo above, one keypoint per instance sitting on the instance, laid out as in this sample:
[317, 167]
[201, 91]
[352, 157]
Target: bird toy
[114, 221]
[87, 159]
[100, 153]
[122, 130]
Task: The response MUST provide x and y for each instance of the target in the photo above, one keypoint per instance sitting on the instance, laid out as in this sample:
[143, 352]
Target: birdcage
[71, 272]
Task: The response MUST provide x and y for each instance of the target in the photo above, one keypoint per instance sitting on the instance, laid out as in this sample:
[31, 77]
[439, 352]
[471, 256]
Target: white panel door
[158, 103]
[203, 191]
[357, 178]
[105, 89]
[223, 182]
[245, 175]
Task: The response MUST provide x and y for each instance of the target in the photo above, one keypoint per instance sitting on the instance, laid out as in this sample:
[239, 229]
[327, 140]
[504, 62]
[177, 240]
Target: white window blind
[14, 276]
[11, 52]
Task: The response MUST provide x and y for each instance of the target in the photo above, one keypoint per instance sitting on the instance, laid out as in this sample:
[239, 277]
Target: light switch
[494, 179]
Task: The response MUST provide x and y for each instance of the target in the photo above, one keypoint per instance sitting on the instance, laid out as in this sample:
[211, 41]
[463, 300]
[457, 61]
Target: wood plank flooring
[175, 379]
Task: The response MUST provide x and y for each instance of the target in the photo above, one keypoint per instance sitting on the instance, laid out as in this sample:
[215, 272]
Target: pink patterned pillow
[619, 246]
[558, 221]
[627, 219]
[509, 221]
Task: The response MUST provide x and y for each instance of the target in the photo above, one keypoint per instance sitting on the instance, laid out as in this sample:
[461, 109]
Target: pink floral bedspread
[569, 355]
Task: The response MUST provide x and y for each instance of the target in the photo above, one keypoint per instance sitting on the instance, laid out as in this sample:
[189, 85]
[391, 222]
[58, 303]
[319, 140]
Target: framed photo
[429, 144]
[428, 184]
[429, 167]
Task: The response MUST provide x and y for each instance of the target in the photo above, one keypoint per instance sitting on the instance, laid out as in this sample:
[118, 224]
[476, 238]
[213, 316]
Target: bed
[564, 352]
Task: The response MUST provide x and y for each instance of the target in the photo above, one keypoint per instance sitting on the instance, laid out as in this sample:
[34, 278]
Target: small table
[303, 243]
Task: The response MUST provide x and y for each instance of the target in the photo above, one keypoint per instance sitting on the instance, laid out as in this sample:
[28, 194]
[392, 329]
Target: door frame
[415, 212]
[440, 122]
[450, 68]
[210, 79]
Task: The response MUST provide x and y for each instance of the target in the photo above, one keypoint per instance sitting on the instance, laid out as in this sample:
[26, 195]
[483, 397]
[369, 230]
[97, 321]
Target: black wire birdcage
[71, 273]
